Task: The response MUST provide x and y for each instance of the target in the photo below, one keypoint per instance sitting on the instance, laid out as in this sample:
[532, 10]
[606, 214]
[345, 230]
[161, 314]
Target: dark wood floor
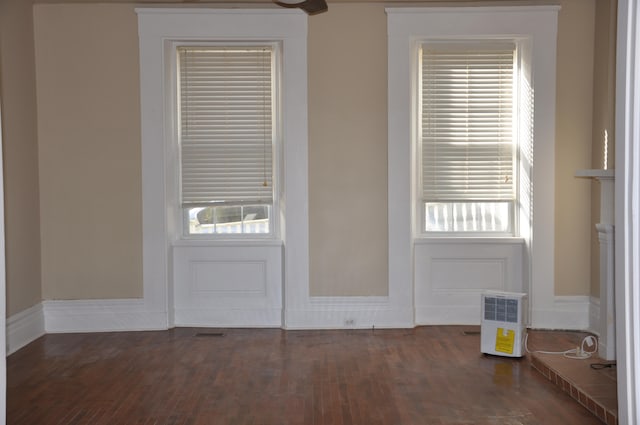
[428, 375]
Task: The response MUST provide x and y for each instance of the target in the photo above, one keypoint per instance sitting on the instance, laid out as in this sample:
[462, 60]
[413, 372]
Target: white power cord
[578, 353]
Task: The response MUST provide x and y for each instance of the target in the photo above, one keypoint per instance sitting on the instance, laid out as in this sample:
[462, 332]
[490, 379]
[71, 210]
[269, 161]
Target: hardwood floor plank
[428, 375]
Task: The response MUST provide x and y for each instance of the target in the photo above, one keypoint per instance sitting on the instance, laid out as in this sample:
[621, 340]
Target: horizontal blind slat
[467, 129]
[226, 124]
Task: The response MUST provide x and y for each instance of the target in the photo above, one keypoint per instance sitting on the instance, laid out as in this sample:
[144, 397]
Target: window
[466, 137]
[412, 250]
[169, 252]
[226, 136]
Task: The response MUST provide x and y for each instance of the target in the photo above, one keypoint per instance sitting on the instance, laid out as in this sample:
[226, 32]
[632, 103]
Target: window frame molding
[417, 102]
[406, 27]
[274, 219]
[158, 29]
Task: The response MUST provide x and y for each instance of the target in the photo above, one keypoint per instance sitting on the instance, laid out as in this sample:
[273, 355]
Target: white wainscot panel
[228, 285]
[450, 275]
[213, 278]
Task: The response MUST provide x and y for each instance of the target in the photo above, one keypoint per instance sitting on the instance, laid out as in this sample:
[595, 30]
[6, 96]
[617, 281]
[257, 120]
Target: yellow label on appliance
[505, 340]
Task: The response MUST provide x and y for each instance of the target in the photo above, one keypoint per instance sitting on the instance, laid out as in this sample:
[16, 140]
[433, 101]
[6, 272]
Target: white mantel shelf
[596, 174]
[606, 179]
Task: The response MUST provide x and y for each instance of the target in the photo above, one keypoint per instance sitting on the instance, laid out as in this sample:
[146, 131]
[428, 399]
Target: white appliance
[503, 327]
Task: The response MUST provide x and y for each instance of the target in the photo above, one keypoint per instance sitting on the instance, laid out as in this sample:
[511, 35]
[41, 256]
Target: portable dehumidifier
[503, 325]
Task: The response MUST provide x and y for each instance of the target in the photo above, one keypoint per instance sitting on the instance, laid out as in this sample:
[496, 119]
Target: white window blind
[467, 122]
[226, 131]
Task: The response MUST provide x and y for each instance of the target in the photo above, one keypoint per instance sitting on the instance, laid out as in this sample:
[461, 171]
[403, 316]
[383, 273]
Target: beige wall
[89, 142]
[90, 149]
[348, 161]
[20, 150]
[573, 146]
[348, 151]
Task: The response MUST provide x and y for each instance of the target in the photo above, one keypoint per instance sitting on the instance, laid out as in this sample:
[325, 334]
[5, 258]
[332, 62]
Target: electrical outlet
[350, 322]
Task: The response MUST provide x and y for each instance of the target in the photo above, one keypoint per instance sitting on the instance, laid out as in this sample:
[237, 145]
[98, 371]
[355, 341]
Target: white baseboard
[448, 315]
[101, 316]
[567, 312]
[594, 315]
[572, 312]
[348, 313]
[25, 327]
[229, 318]
[130, 315]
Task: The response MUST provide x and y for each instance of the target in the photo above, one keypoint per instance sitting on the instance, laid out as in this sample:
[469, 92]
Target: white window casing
[161, 31]
[533, 29]
[227, 128]
[467, 135]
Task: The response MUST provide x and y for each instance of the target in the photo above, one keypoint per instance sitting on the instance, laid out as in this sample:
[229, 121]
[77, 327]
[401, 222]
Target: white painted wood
[400, 167]
[295, 166]
[224, 317]
[319, 313]
[606, 179]
[465, 314]
[596, 173]
[228, 286]
[3, 298]
[227, 277]
[101, 316]
[158, 29]
[594, 315]
[451, 274]
[566, 312]
[535, 27]
[24, 327]
[607, 324]
[347, 313]
[627, 245]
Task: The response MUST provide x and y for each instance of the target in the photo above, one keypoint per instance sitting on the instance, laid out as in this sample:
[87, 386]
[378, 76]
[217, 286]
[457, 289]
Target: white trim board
[254, 318]
[3, 291]
[101, 316]
[348, 313]
[25, 327]
[566, 312]
[449, 315]
[627, 221]
[130, 315]
[157, 28]
[73, 316]
[569, 312]
[594, 315]
[537, 25]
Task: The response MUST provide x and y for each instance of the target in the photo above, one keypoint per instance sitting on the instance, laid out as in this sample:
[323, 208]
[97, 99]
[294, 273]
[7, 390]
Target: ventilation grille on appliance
[501, 309]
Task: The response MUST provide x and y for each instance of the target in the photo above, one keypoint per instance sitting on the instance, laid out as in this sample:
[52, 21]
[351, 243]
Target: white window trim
[405, 27]
[274, 218]
[160, 27]
[418, 197]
